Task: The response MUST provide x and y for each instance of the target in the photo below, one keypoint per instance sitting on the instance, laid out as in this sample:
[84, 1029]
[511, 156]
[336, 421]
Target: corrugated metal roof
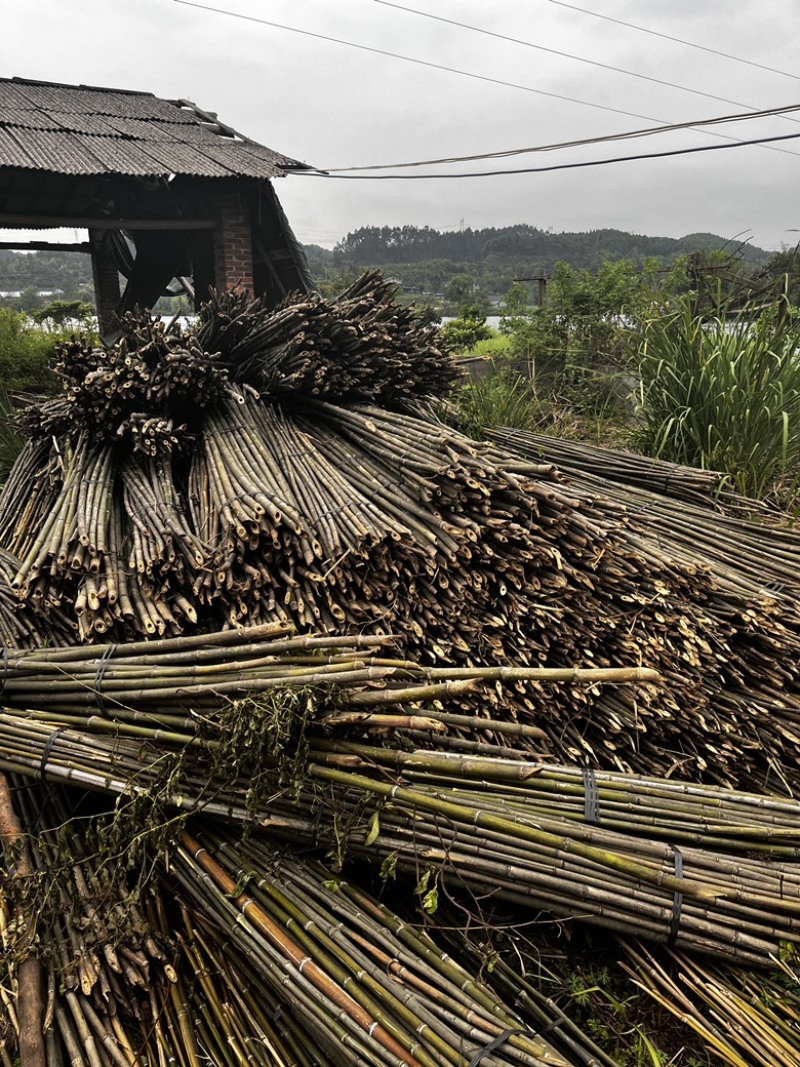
[68, 129]
[83, 122]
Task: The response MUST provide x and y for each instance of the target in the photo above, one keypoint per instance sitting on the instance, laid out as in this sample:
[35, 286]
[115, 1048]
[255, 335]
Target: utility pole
[541, 287]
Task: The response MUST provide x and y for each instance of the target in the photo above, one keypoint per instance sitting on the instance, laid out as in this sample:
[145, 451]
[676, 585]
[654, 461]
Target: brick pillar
[106, 282]
[233, 243]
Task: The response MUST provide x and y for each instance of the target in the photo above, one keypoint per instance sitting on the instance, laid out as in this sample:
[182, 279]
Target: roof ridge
[89, 88]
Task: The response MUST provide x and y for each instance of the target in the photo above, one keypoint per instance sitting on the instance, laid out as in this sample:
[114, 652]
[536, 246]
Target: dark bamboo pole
[30, 1007]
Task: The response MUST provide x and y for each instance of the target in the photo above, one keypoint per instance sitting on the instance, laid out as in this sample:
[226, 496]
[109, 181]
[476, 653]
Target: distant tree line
[473, 266]
[69, 272]
[387, 245]
[453, 268]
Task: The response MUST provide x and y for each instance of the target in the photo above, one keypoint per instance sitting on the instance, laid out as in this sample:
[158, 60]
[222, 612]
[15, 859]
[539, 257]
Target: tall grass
[723, 393]
[498, 400]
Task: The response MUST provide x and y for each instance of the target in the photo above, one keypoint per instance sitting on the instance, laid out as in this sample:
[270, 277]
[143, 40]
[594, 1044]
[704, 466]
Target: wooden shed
[164, 189]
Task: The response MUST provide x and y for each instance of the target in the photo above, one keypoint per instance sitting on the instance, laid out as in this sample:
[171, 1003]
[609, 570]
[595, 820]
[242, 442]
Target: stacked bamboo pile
[744, 1019]
[352, 978]
[288, 736]
[289, 500]
[685, 864]
[631, 469]
[361, 346]
[103, 965]
[265, 471]
[693, 513]
[276, 960]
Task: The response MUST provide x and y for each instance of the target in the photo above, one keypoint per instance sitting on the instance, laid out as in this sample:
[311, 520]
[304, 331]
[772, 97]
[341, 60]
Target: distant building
[16, 293]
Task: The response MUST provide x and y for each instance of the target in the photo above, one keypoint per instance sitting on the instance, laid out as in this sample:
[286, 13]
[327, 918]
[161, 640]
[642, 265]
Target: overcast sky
[331, 105]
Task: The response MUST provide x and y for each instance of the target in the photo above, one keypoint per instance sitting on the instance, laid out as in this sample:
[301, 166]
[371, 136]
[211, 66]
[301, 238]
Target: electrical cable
[564, 55]
[543, 170]
[676, 40]
[450, 70]
[601, 139]
[418, 62]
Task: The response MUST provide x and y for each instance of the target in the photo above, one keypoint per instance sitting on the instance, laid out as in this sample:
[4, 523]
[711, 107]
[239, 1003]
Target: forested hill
[383, 245]
[424, 260]
[70, 272]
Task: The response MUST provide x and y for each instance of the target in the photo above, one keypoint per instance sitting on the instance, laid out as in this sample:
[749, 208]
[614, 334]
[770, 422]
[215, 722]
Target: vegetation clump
[721, 391]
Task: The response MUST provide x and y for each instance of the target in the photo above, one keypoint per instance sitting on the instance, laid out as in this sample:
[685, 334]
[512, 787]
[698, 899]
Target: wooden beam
[45, 246]
[49, 222]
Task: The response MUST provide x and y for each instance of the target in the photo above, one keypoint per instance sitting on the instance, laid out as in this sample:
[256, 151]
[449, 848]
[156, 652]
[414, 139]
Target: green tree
[63, 315]
[460, 289]
[29, 299]
[25, 354]
[584, 322]
[464, 332]
[515, 307]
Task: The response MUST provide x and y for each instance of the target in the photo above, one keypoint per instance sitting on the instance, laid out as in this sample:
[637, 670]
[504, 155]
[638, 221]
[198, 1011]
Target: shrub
[24, 354]
[723, 393]
[464, 333]
[11, 442]
[498, 400]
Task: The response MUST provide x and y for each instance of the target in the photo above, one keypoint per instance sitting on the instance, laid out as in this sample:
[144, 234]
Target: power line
[565, 55]
[603, 139]
[676, 40]
[544, 170]
[418, 62]
[435, 66]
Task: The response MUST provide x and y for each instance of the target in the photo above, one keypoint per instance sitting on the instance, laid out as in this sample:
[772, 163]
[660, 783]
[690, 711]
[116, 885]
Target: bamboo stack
[360, 346]
[105, 969]
[277, 960]
[625, 860]
[702, 521]
[288, 499]
[286, 953]
[703, 488]
[348, 974]
[275, 594]
[743, 1019]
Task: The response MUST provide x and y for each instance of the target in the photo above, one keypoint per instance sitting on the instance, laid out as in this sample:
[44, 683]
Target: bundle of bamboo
[360, 346]
[744, 1019]
[244, 473]
[354, 518]
[638, 857]
[104, 967]
[297, 953]
[708, 489]
[364, 986]
[278, 959]
[692, 513]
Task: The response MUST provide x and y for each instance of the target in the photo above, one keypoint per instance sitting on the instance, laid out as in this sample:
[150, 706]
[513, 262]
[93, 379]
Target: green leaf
[374, 830]
[389, 867]
[430, 902]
